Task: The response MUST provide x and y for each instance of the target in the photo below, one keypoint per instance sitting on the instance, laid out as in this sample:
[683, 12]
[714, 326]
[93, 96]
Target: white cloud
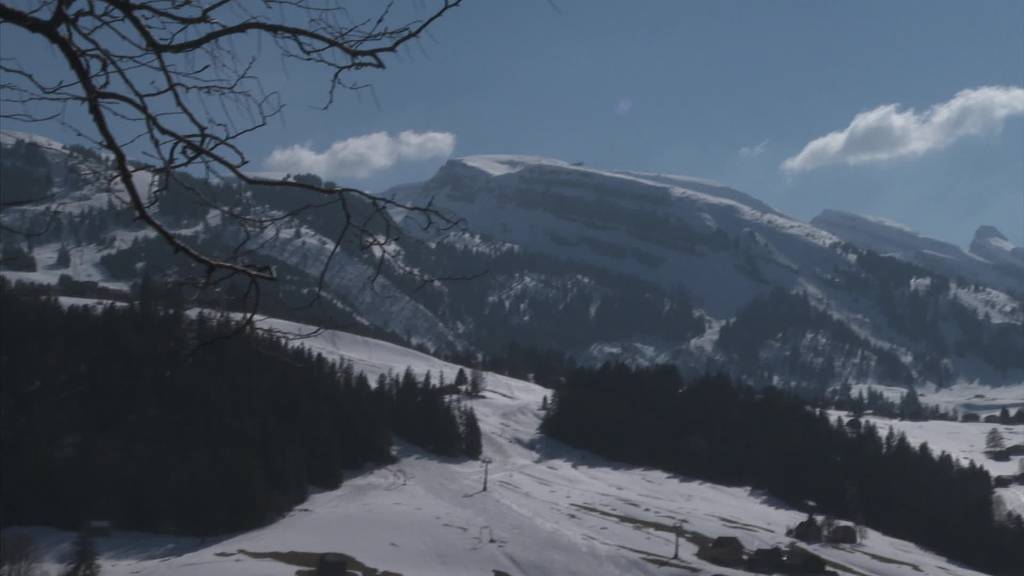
[753, 151]
[362, 156]
[889, 133]
[623, 106]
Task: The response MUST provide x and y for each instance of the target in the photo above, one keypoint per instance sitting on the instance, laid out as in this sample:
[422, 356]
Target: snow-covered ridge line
[991, 259]
[369, 355]
[501, 164]
[698, 189]
[9, 137]
[635, 187]
[882, 235]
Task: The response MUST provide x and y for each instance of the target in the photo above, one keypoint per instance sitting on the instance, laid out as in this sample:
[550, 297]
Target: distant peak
[991, 244]
[987, 232]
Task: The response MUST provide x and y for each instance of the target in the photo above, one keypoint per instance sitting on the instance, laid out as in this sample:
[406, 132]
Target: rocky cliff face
[989, 243]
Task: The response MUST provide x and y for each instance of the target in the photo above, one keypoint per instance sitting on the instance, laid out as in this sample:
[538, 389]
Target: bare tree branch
[162, 80]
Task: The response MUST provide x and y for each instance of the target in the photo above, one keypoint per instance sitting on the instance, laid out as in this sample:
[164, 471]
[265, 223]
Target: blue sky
[727, 90]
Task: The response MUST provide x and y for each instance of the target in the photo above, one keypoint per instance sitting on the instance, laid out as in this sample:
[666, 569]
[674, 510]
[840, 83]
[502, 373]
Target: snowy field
[84, 265]
[961, 397]
[548, 510]
[977, 397]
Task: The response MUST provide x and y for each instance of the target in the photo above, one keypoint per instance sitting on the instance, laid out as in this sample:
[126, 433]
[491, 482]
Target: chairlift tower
[487, 464]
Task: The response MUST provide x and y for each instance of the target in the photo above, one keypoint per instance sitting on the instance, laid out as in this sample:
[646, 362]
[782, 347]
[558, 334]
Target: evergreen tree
[422, 414]
[146, 293]
[476, 382]
[910, 405]
[858, 404]
[994, 440]
[14, 257]
[63, 257]
[471, 442]
[461, 381]
[222, 432]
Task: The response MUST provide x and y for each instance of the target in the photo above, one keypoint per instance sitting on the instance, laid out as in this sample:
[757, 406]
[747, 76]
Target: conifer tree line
[782, 321]
[715, 429]
[432, 415]
[24, 172]
[909, 406]
[146, 417]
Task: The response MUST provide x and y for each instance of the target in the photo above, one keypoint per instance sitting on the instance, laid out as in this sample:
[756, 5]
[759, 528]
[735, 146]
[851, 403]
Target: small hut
[842, 534]
[1007, 481]
[807, 531]
[1000, 455]
[1015, 450]
[724, 550]
[766, 561]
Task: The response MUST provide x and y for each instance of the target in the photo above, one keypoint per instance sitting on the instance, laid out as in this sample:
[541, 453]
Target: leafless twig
[164, 81]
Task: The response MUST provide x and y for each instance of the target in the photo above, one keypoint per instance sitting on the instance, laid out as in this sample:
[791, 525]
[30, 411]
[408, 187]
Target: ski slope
[549, 509]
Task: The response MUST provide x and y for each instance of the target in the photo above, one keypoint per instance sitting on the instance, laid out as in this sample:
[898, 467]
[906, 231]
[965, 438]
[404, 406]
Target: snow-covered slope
[992, 259]
[722, 245]
[548, 509]
[883, 235]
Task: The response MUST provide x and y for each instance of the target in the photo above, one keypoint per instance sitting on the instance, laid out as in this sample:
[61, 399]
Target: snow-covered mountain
[669, 230]
[989, 243]
[727, 252]
[596, 263]
[992, 259]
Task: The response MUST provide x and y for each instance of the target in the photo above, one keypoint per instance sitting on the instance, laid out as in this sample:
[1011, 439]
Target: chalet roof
[726, 542]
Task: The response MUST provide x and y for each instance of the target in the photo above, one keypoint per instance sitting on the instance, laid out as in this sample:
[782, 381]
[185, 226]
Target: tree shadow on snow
[57, 545]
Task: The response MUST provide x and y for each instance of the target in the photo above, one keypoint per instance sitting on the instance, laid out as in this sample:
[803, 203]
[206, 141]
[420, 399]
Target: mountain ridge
[595, 263]
[990, 258]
